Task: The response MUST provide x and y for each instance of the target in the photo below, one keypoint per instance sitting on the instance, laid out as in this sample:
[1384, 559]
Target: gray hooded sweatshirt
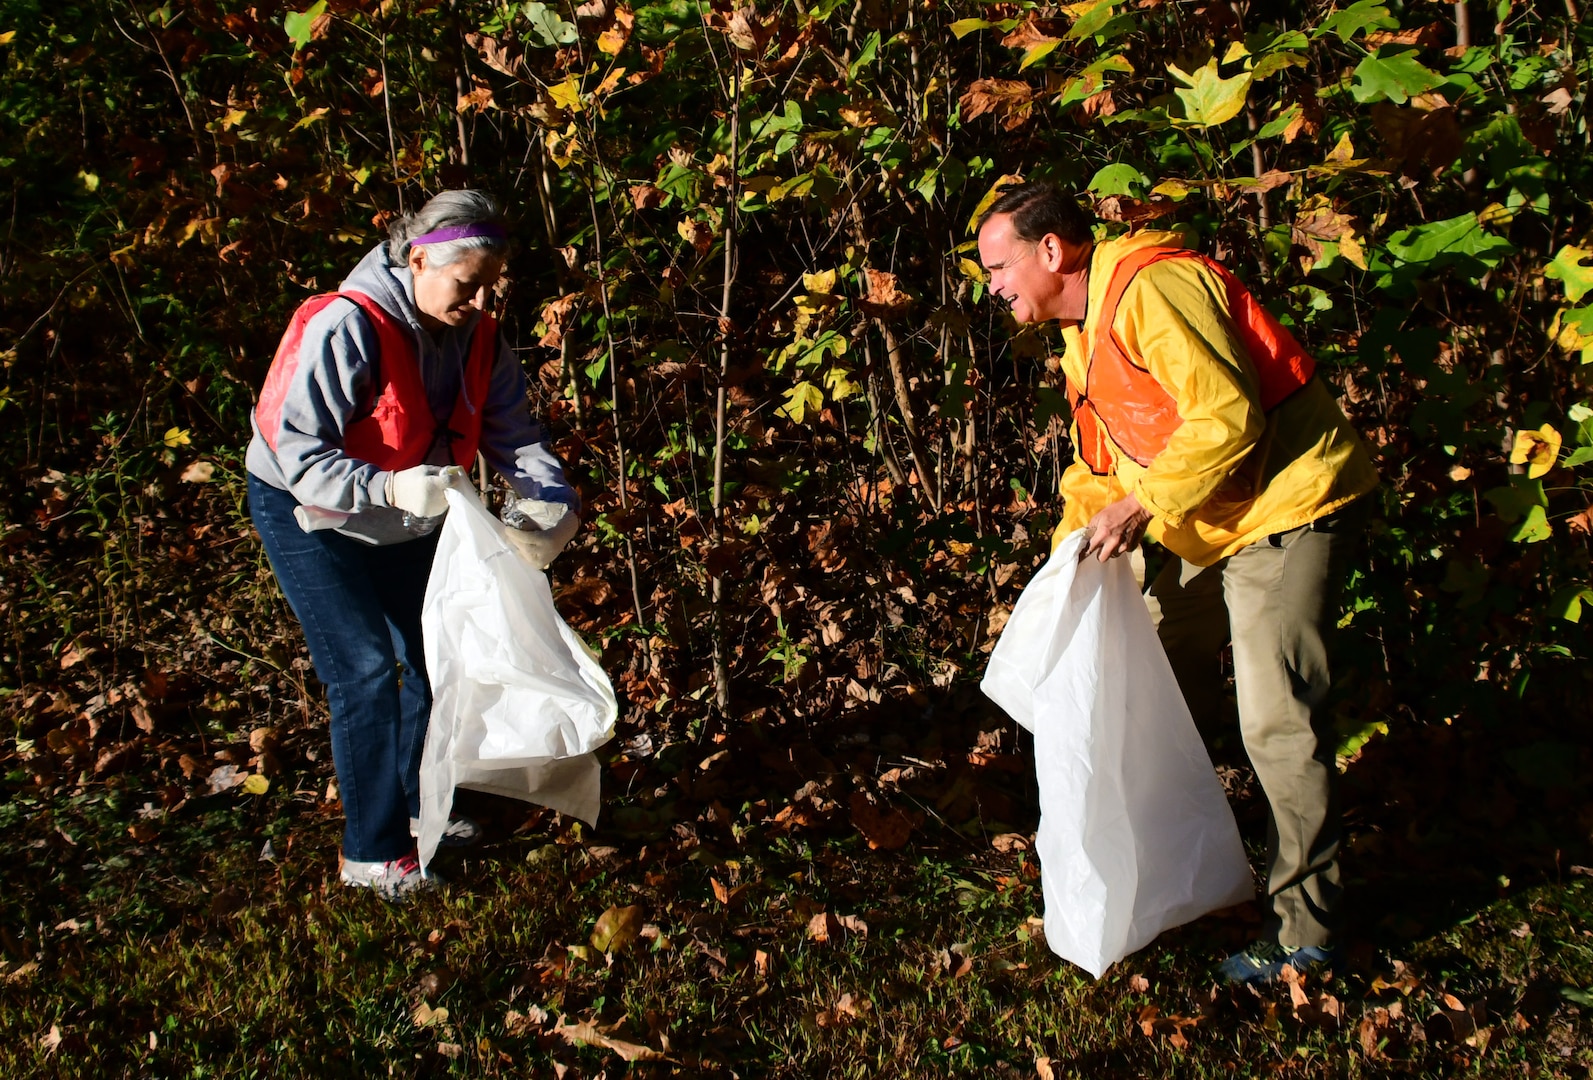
[334, 386]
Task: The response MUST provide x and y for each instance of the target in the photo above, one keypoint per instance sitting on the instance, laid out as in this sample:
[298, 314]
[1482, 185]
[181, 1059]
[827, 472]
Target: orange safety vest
[1123, 402]
[400, 430]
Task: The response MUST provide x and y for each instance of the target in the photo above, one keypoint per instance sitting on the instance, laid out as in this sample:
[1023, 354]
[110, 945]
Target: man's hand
[1115, 530]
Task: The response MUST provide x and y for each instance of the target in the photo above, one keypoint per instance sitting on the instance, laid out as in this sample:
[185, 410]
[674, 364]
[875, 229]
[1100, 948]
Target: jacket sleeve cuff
[1169, 518]
[377, 491]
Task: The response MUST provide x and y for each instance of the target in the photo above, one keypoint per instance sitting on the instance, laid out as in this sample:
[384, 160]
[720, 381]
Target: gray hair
[463, 207]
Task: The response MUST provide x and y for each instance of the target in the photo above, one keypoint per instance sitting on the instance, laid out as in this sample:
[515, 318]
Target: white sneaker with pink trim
[391, 880]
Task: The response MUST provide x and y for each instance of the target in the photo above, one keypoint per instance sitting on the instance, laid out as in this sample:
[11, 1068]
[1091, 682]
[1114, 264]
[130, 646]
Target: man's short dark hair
[1037, 208]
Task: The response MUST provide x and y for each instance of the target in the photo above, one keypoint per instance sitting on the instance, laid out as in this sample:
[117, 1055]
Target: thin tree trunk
[614, 415]
[904, 403]
[721, 659]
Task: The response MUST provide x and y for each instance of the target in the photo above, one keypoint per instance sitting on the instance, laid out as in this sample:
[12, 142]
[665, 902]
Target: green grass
[185, 954]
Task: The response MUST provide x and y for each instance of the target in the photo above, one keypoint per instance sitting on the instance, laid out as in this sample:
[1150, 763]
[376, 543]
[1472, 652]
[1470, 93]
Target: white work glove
[419, 491]
[547, 528]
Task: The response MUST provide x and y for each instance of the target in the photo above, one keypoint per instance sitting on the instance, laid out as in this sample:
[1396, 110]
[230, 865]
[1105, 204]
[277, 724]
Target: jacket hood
[393, 287]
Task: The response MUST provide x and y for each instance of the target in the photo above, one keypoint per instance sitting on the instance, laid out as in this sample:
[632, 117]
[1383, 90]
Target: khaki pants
[1277, 600]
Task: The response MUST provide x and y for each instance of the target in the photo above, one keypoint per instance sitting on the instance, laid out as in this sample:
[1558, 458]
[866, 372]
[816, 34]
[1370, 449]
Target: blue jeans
[359, 606]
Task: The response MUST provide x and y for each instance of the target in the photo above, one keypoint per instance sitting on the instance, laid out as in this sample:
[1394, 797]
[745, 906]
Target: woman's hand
[420, 490]
[539, 544]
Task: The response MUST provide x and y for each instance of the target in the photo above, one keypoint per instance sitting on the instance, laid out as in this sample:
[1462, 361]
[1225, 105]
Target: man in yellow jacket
[1197, 421]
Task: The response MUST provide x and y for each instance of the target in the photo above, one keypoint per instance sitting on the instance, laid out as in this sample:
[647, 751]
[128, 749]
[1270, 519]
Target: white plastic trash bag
[1135, 834]
[518, 702]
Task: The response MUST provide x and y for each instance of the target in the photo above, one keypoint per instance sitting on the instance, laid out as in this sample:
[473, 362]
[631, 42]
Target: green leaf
[1394, 75]
[1279, 124]
[1273, 63]
[801, 400]
[1566, 603]
[1119, 179]
[866, 56]
[1514, 502]
[963, 27]
[1035, 53]
[1207, 97]
[1574, 266]
[1533, 528]
[1456, 236]
[1580, 456]
[1092, 21]
[1355, 19]
[552, 29]
[300, 25]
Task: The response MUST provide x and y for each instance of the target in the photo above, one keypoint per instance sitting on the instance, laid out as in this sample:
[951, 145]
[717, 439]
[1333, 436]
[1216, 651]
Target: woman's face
[449, 295]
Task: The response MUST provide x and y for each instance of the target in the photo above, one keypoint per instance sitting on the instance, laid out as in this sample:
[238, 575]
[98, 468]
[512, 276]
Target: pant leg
[1282, 597]
[327, 579]
[1186, 604]
[402, 571]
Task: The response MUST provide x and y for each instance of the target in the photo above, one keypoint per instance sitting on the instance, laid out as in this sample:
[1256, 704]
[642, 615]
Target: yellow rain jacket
[1230, 474]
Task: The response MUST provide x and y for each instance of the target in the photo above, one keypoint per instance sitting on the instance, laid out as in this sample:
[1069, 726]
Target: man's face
[449, 295]
[1045, 279]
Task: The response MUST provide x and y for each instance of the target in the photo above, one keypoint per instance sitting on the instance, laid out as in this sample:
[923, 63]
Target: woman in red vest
[379, 396]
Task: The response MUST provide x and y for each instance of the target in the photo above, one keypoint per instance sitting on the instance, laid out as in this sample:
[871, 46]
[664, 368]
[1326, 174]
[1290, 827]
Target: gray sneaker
[391, 880]
[460, 831]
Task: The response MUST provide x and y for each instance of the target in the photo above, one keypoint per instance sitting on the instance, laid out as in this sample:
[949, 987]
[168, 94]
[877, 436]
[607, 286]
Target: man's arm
[1174, 319]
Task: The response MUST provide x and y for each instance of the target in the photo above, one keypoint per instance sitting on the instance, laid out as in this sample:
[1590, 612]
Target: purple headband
[461, 232]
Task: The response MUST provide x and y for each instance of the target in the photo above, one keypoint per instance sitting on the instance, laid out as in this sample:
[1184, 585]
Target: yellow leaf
[176, 437]
[256, 784]
[822, 282]
[567, 94]
[990, 197]
[5, 38]
[311, 117]
[613, 39]
[800, 400]
[1538, 450]
[1350, 247]
[1495, 214]
[971, 270]
[1569, 336]
[1236, 51]
[232, 118]
[1173, 189]
[1208, 98]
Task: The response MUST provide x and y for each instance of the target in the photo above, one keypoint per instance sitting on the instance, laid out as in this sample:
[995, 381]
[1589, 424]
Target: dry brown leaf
[646, 197]
[591, 1035]
[824, 928]
[617, 927]
[1043, 1069]
[1139, 984]
[499, 55]
[885, 298]
[727, 896]
[885, 827]
[557, 316]
[1010, 100]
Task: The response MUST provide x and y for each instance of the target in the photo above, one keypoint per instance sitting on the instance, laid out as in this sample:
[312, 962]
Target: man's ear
[1052, 252]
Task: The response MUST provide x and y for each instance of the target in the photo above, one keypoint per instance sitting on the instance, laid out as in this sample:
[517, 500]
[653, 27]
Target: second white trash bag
[518, 703]
[1135, 834]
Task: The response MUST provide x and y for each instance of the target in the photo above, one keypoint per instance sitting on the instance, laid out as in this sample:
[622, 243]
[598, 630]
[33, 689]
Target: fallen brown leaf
[617, 927]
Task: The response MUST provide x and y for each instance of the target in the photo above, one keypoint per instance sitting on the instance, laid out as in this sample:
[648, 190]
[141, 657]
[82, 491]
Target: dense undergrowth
[770, 208]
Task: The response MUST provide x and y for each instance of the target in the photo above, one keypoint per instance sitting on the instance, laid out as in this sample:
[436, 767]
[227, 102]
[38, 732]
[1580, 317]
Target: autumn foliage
[745, 293]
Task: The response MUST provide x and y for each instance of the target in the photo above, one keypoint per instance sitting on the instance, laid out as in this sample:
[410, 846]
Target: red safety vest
[400, 430]
[1121, 401]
